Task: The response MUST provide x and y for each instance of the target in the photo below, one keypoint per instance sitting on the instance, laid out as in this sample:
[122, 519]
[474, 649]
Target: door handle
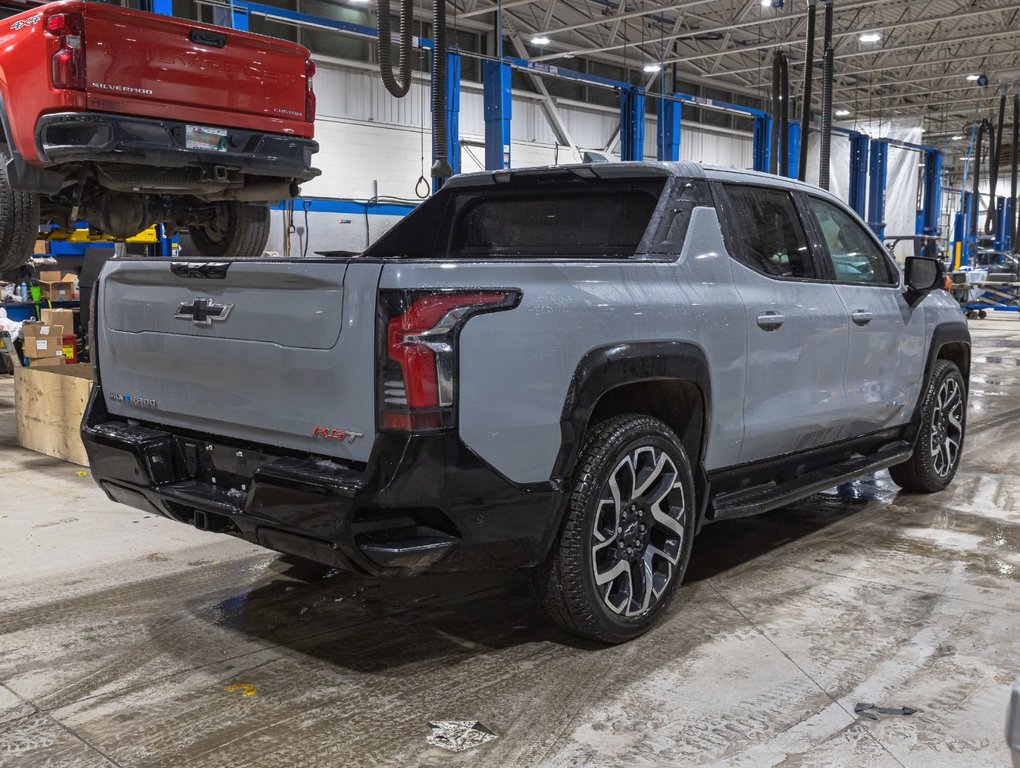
[770, 321]
[861, 316]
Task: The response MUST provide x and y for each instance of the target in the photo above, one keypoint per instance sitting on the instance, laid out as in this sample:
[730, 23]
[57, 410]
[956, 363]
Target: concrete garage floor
[133, 641]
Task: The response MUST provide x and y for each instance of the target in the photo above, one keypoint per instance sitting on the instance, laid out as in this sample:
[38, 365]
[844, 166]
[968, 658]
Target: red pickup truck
[127, 119]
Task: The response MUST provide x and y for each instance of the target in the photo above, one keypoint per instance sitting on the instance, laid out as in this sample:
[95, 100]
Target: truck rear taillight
[419, 334]
[68, 63]
[309, 93]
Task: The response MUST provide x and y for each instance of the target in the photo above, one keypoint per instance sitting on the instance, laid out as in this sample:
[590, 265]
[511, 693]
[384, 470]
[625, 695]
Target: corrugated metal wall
[368, 136]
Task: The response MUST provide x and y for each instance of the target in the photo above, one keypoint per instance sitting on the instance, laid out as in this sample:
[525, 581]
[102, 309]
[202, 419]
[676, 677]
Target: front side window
[768, 233]
[855, 256]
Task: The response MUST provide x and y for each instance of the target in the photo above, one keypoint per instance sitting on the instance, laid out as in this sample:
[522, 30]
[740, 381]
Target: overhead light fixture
[652, 67]
[842, 113]
[870, 37]
[973, 78]
[958, 138]
[540, 40]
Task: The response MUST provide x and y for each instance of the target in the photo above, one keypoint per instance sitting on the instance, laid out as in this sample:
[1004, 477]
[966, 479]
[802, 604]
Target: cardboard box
[40, 340]
[49, 404]
[48, 362]
[41, 248]
[61, 317]
[57, 286]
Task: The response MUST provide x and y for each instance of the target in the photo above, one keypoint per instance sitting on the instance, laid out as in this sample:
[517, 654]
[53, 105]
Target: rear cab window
[767, 232]
[553, 215]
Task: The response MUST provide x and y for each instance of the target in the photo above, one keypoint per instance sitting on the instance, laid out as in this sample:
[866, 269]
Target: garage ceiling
[920, 64]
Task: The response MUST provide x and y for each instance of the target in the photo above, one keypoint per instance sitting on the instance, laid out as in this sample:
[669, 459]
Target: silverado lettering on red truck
[125, 119]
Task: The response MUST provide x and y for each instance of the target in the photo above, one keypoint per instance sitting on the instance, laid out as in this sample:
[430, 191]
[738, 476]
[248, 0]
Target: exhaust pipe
[780, 162]
[255, 193]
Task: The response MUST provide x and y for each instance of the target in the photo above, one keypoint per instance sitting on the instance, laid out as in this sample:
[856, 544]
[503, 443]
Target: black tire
[943, 425]
[624, 607]
[19, 220]
[982, 314]
[244, 237]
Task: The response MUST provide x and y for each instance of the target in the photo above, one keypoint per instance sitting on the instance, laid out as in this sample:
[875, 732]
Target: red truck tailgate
[159, 66]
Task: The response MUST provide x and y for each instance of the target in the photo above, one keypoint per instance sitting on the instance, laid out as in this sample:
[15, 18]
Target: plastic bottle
[23, 289]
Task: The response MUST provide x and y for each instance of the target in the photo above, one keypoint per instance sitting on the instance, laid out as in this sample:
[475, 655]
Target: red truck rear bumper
[94, 137]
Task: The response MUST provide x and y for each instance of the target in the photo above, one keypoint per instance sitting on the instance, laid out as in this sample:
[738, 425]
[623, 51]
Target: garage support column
[164, 7]
[762, 143]
[859, 173]
[877, 184]
[1002, 240]
[498, 101]
[632, 123]
[668, 126]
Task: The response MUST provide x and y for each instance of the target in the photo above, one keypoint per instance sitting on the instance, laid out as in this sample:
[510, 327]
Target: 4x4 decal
[30, 21]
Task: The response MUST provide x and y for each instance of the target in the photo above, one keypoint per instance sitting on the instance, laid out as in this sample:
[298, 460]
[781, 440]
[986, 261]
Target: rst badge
[330, 433]
[202, 311]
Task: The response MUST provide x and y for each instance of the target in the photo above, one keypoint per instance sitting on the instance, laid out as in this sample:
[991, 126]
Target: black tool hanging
[780, 161]
[828, 66]
[400, 84]
[985, 127]
[809, 73]
[1013, 157]
[994, 156]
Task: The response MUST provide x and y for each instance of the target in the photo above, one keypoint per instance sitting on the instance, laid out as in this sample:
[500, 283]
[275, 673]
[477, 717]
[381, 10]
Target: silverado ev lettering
[569, 370]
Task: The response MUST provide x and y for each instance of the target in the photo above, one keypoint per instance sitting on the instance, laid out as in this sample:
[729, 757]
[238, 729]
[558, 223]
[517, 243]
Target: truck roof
[642, 168]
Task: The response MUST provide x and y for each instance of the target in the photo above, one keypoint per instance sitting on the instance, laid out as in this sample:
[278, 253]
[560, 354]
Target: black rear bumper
[76, 137]
[422, 502]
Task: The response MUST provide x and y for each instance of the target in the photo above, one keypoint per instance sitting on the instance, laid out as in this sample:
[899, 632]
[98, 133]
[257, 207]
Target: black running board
[762, 498]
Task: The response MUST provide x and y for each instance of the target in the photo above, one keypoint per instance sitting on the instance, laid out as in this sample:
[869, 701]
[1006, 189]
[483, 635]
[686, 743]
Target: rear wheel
[940, 441]
[19, 220]
[626, 538]
[240, 231]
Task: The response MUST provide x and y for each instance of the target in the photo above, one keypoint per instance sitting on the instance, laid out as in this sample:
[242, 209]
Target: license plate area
[204, 138]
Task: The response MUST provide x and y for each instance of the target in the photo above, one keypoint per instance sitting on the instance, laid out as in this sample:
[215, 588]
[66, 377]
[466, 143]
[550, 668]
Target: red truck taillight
[419, 333]
[309, 93]
[68, 64]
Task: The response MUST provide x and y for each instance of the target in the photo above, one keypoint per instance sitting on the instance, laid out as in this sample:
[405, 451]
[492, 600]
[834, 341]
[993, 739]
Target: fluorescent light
[870, 37]
[540, 40]
[958, 138]
[973, 78]
[652, 67]
[842, 113]
[767, 3]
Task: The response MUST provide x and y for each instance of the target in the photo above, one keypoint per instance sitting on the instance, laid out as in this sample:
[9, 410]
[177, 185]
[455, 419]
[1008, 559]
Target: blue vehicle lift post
[498, 103]
[878, 168]
[669, 126]
[632, 123]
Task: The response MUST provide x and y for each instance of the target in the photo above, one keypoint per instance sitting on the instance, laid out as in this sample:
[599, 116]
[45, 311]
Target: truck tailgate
[159, 66]
[276, 353]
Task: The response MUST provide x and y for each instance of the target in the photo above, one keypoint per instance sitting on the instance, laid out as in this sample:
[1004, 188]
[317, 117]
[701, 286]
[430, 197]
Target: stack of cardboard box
[57, 286]
[43, 344]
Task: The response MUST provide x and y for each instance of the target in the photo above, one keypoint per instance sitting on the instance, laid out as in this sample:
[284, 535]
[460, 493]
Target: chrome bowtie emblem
[202, 311]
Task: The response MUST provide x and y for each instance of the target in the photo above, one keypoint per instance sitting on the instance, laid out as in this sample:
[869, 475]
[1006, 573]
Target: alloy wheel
[638, 533]
[947, 427]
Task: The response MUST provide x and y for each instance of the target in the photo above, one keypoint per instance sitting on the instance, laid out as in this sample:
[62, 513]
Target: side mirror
[921, 276]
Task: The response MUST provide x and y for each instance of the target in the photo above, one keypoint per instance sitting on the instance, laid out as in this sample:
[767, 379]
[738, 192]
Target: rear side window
[768, 233]
[569, 218]
[855, 256]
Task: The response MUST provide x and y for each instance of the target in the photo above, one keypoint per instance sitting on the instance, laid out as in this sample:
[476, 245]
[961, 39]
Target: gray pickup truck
[564, 369]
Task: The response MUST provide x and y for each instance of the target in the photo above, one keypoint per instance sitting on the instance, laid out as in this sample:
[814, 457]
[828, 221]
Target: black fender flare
[20, 175]
[942, 335]
[605, 368]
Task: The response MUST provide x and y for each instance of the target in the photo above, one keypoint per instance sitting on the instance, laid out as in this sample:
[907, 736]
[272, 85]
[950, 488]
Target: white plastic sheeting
[903, 174]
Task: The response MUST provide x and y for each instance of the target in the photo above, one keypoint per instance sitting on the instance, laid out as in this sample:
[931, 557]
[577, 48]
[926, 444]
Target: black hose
[1014, 147]
[809, 74]
[984, 127]
[825, 148]
[441, 168]
[399, 85]
[774, 139]
[995, 154]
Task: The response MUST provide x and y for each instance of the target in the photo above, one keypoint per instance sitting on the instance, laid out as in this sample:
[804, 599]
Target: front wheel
[239, 231]
[940, 441]
[626, 538]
